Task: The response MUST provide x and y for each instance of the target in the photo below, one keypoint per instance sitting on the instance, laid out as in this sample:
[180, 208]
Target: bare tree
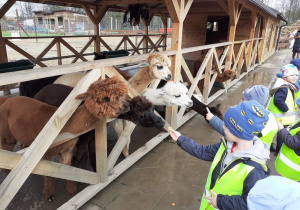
[25, 9]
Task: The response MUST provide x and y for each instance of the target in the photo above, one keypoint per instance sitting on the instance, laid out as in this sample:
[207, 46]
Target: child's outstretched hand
[174, 134]
[280, 126]
[212, 200]
[209, 115]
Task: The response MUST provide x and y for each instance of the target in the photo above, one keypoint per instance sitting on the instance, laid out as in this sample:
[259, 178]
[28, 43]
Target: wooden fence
[28, 161]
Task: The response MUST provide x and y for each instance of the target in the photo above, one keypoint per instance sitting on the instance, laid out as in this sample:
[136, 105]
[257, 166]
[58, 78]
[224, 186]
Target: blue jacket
[208, 153]
[293, 142]
[279, 99]
[217, 124]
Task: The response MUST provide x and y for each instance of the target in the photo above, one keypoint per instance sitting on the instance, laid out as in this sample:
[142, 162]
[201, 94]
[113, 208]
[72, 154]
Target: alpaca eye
[106, 99]
[159, 66]
[177, 96]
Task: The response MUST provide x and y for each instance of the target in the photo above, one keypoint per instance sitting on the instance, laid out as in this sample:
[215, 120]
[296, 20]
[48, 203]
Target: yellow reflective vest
[287, 162]
[229, 183]
[290, 116]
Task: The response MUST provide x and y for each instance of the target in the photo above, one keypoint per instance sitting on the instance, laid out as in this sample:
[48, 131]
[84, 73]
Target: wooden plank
[72, 49]
[104, 43]
[84, 48]
[173, 9]
[6, 7]
[3, 52]
[101, 149]
[23, 52]
[25, 75]
[30, 159]
[44, 52]
[121, 42]
[188, 74]
[207, 79]
[58, 50]
[132, 45]
[89, 13]
[187, 8]
[8, 160]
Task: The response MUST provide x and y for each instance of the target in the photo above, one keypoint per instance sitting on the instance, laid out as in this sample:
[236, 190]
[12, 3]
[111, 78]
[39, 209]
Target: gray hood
[259, 151]
[280, 83]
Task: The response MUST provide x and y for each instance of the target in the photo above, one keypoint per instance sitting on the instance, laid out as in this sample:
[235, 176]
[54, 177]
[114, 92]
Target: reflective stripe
[289, 163]
[288, 114]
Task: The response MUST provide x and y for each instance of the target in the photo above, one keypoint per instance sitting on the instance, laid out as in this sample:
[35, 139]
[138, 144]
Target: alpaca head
[159, 66]
[142, 113]
[175, 94]
[216, 111]
[99, 56]
[106, 98]
[226, 75]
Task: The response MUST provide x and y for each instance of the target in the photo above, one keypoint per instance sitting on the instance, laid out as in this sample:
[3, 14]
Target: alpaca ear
[144, 64]
[83, 96]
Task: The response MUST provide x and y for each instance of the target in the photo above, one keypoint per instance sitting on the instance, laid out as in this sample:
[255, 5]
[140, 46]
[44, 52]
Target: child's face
[292, 78]
[229, 136]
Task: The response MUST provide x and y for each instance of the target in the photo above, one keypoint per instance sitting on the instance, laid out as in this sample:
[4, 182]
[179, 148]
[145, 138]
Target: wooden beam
[8, 160]
[224, 6]
[187, 8]
[89, 13]
[3, 52]
[174, 10]
[101, 149]
[6, 7]
[15, 179]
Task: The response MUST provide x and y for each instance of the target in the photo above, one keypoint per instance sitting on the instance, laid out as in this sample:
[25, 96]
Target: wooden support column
[252, 31]
[261, 51]
[232, 28]
[145, 43]
[178, 11]
[164, 21]
[101, 149]
[3, 52]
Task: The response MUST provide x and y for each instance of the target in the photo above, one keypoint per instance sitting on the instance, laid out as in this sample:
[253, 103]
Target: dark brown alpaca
[22, 119]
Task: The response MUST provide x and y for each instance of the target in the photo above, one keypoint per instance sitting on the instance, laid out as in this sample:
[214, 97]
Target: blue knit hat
[257, 93]
[246, 120]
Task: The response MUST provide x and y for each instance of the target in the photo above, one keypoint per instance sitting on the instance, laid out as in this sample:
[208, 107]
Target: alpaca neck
[80, 121]
[141, 80]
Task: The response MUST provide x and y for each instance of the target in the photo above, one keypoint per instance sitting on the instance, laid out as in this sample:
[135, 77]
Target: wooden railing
[31, 161]
[135, 44]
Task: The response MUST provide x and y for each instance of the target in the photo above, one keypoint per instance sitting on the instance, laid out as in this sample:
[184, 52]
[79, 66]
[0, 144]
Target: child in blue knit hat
[257, 93]
[238, 161]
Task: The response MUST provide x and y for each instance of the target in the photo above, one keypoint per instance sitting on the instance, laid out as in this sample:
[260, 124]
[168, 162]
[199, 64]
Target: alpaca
[156, 67]
[172, 93]
[226, 75]
[73, 78]
[200, 108]
[141, 113]
[30, 88]
[22, 119]
[200, 60]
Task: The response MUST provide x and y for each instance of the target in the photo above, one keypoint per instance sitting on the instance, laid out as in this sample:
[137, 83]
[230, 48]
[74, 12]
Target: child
[260, 94]
[237, 161]
[282, 102]
[287, 162]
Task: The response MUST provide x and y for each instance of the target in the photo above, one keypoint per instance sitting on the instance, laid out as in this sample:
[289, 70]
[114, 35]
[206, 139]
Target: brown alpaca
[200, 60]
[22, 119]
[226, 75]
[156, 67]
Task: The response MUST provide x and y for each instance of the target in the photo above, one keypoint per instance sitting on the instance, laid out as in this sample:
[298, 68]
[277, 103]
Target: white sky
[12, 11]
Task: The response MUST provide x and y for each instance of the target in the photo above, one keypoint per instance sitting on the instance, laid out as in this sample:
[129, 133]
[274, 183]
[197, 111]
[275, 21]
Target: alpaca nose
[125, 108]
[169, 77]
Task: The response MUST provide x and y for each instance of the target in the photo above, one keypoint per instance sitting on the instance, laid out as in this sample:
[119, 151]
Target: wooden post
[3, 52]
[101, 149]
[58, 49]
[164, 21]
[34, 22]
[232, 28]
[97, 47]
[178, 11]
[145, 43]
[252, 31]
[261, 51]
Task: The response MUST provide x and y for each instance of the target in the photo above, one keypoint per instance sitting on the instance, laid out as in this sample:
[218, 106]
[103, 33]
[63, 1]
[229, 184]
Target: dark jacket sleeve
[279, 99]
[226, 202]
[292, 142]
[202, 152]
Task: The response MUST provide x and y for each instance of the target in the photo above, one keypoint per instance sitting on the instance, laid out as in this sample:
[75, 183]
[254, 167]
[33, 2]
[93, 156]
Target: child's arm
[292, 142]
[279, 99]
[240, 201]
[190, 146]
[215, 122]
